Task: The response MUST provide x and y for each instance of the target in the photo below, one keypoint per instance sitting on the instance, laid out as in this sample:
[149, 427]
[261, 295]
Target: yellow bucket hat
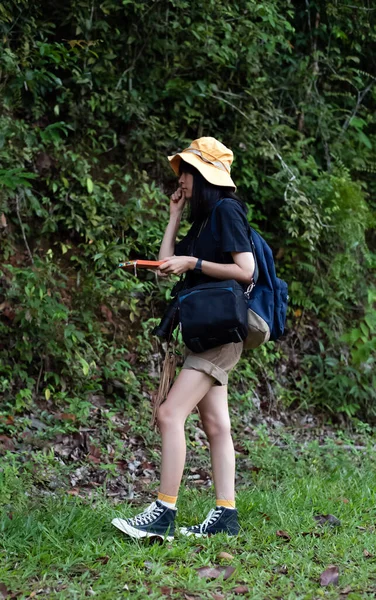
[210, 157]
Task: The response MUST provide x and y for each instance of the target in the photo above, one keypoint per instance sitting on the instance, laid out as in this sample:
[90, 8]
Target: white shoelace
[212, 516]
[153, 511]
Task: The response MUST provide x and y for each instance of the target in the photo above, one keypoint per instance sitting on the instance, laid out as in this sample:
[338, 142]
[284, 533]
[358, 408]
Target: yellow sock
[169, 501]
[225, 503]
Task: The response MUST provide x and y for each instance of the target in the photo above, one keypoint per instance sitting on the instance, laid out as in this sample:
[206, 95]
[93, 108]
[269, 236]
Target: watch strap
[198, 266]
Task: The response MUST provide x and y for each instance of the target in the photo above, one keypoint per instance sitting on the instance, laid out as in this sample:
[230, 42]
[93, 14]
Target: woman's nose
[181, 179]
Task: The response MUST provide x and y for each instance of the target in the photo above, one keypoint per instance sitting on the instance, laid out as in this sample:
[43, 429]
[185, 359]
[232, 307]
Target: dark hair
[205, 194]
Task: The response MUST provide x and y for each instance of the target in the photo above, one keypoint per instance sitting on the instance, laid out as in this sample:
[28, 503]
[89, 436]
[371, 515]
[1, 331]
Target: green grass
[65, 547]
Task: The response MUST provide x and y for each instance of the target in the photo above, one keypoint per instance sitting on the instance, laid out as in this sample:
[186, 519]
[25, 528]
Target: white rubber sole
[137, 533]
[183, 531]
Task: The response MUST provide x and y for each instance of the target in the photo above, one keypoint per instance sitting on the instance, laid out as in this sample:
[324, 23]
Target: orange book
[141, 264]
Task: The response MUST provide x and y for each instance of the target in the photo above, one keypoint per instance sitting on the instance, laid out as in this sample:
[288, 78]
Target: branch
[22, 227]
[357, 7]
[230, 104]
[308, 8]
[315, 62]
[361, 96]
[284, 165]
[39, 378]
[133, 64]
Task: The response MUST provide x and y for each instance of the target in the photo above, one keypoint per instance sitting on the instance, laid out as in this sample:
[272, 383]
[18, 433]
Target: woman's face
[186, 184]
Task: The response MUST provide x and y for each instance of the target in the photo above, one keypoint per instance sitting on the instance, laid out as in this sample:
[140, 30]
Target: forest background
[95, 95]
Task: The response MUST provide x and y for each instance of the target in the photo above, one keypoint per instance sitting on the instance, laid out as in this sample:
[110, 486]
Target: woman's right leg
[187, 391]
[159, 518]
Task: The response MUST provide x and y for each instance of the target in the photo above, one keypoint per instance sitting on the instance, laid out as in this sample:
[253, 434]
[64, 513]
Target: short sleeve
[233, 227]
[182, 247]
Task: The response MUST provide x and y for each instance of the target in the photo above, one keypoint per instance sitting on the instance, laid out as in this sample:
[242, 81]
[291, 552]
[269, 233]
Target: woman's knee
[163, 415]
[167, 417]
[216, 428]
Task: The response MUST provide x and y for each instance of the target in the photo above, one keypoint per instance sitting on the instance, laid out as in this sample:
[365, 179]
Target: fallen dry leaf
[4, 592]
[73, 492]
[282, 534]
[330, 576]
[6, 444]
[283, 570]
[7, 419]
[166, 591]
[241, 589]
[7, 310]
[331, 519]
[103, 559]
[66, 416]
[106, 313]
[94, 459]
[344, 500]
[169, 591]
[266, 517]
[367, 554]
[215, 572]
[225, 555]
[346, 590]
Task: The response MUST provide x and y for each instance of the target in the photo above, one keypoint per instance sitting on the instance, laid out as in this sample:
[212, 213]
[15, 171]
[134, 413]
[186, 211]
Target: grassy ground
[59, 546]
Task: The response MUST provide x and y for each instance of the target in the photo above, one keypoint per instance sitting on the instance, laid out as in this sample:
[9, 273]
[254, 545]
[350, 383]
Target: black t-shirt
[232, 230]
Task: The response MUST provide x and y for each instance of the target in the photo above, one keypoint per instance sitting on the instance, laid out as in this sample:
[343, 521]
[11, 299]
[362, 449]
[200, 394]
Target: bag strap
[194, 241]
[214, 230]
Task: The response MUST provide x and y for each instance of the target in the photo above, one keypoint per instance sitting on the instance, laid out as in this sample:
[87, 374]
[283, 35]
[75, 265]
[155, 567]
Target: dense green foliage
[95, 95]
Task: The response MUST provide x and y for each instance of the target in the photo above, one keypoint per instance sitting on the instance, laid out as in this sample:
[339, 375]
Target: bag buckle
[249, 290]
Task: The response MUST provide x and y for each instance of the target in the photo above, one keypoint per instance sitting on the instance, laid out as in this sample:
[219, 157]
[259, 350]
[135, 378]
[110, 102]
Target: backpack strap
[214, 230]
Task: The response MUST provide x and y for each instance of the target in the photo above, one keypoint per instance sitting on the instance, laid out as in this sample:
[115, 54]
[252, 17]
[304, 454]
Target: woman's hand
[177, 202]
[176, 265]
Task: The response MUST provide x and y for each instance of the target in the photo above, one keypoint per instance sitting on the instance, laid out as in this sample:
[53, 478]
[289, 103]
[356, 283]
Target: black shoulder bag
[212, 314]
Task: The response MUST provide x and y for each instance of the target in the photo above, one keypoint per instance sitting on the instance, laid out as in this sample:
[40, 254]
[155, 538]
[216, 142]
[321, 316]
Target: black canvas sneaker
[157, 520]
[219, 520]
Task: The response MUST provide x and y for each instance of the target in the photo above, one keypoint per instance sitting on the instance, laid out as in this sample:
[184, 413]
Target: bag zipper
[229, 289]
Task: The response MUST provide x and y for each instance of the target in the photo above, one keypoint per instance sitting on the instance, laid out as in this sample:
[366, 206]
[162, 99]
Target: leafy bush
[94, 96]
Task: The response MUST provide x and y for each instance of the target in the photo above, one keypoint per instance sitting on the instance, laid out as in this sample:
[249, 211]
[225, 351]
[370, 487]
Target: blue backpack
[267, 296]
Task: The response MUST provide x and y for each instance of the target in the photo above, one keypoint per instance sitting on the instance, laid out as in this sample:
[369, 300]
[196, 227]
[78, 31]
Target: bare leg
[189, 388]
[216, 422]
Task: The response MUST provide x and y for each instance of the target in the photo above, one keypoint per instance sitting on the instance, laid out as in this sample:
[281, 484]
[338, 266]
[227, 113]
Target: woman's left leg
[216, 422]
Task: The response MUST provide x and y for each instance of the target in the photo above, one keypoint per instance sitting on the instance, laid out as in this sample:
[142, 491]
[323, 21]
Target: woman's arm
[177, 202]
[241, 270]
[168, 243]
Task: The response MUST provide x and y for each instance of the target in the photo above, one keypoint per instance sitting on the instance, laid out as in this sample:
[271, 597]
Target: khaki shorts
[216, 362]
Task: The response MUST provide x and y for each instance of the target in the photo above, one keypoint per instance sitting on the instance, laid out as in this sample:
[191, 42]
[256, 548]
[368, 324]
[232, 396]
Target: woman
[204, 179]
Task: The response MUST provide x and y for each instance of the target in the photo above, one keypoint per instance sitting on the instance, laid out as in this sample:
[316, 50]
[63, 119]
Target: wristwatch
[198, 266]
